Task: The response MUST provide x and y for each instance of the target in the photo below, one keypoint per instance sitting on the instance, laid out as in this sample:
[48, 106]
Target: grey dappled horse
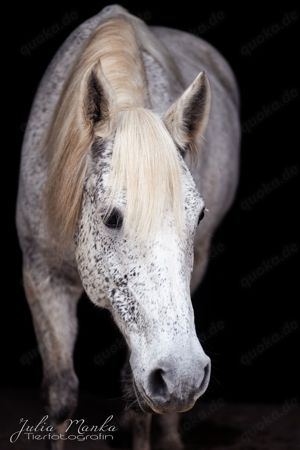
[127, 148]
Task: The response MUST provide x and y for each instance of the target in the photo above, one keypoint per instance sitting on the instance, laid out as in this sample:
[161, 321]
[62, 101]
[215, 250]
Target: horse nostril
[167, 386]
[205, 378]
[157, 384]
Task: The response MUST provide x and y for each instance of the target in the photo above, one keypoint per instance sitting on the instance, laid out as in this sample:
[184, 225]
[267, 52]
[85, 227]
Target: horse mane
[144, 159]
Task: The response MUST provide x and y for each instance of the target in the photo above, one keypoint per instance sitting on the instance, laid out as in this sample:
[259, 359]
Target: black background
[246, 308]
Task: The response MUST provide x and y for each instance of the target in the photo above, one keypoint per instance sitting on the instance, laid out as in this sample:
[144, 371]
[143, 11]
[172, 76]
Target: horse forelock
[146, 166]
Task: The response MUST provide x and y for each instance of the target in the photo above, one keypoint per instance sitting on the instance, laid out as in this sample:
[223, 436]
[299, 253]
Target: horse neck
[121, 62]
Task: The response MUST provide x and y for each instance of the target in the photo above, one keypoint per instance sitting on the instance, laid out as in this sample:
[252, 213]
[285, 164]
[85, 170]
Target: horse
[130, 161]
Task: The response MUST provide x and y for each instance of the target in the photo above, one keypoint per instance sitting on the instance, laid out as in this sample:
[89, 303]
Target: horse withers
[129, 163]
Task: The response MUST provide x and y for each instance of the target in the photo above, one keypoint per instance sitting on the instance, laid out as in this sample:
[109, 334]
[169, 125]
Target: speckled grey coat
[53, 288]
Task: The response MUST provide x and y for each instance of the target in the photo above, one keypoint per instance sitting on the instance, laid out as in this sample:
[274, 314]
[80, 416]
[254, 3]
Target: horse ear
[187, 117]
[97, 98]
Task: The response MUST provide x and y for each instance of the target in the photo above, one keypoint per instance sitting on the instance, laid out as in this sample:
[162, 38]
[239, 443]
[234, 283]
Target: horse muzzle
[170, 389]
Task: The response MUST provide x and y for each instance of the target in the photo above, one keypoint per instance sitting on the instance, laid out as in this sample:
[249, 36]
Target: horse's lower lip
[168, 407]
[165, 408]
[185, 408]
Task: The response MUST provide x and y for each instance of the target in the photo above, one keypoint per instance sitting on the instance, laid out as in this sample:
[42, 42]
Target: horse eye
[114, 219]
[201, 215]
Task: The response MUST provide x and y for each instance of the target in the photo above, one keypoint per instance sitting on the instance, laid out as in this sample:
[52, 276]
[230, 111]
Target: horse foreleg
[53, 302]
[169, 437]
[141, 432]
[140, 425]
